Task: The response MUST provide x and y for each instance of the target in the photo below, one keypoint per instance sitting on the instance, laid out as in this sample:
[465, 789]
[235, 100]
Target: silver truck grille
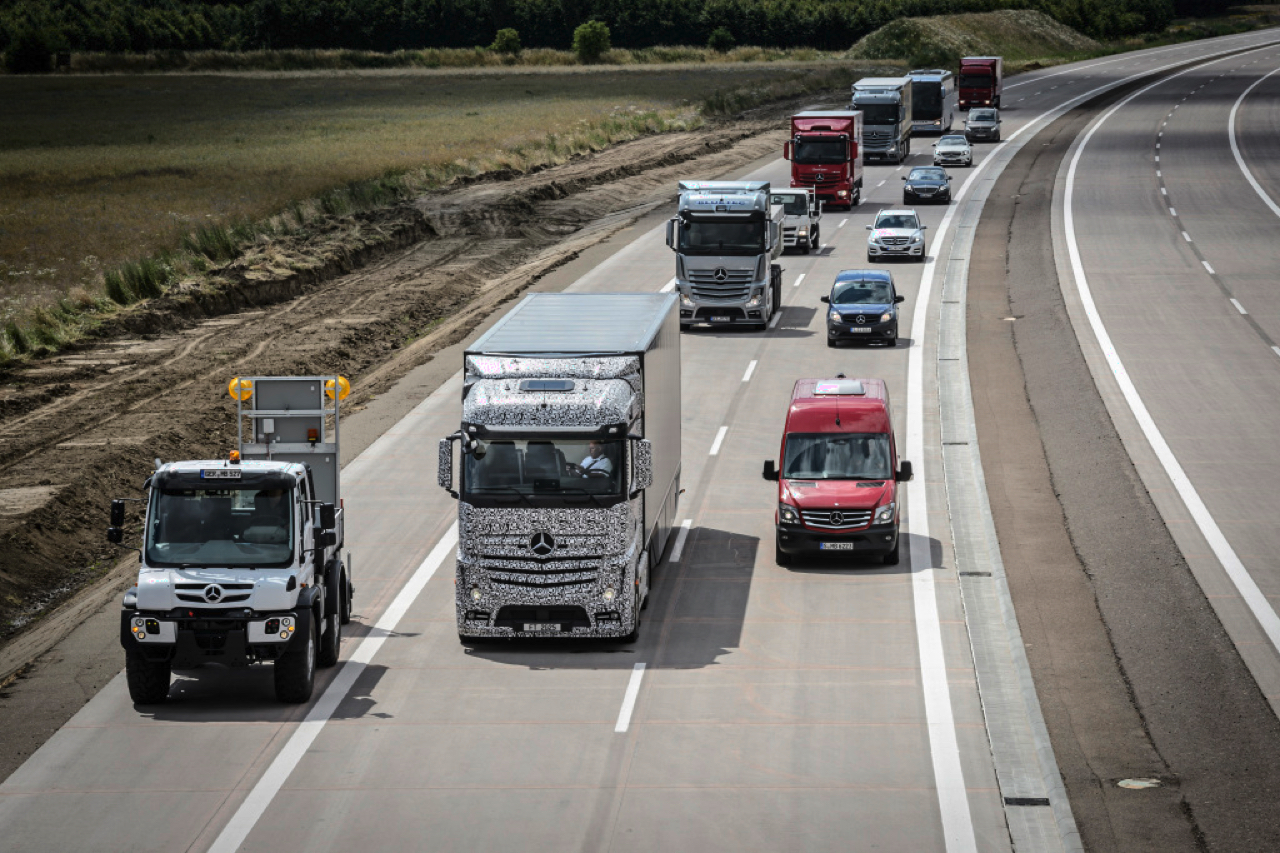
[836, 519]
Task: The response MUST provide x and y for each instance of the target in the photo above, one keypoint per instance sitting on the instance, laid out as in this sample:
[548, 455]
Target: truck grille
[194, 593]
[836, 519]
[539, 574]
[516, 547]
[720, 292]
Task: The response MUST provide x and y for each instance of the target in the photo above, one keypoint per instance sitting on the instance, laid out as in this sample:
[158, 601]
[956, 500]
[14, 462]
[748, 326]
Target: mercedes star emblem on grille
[542, 544]
[860, 319]
[837, 517]
[721, 274]
[213, 593]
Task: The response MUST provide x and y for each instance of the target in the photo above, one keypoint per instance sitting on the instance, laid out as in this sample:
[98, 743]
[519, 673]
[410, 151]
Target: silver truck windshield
[792, 205]
[880, 113]
[820, 151]
[220, 528]
[837, 456]
[545, 468]
[721, 238]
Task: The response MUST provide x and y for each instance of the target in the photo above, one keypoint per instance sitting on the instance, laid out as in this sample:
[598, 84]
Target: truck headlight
[884, 514]
[842, 193]
[802, 232]
[788, 514]
[754, 300]
[685, 301]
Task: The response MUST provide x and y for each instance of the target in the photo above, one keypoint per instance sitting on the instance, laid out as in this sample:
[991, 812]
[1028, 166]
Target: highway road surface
[820, 706]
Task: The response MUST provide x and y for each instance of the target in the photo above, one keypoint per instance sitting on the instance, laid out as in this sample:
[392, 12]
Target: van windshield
[837, 456]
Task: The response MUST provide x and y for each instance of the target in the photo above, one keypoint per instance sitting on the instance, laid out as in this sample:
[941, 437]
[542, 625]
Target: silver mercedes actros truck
[569, 458]
[726, 234]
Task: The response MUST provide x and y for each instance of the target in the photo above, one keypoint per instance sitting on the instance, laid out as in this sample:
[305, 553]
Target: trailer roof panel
[549, 323]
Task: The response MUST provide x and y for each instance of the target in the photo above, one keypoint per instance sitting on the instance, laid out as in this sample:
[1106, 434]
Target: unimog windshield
[220, 527]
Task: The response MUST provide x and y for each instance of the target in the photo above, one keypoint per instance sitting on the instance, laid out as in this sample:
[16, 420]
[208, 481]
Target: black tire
[344, 602]
[808, 247]
[148, 680]
[781, 557]
[330, 642]
[891, 558]
[295, 670]
[831, 342]
[870, 259]
[777, 297]
[635, 631]
[892, 342]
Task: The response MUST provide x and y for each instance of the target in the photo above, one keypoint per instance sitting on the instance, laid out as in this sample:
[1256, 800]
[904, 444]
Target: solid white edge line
[629, 698]
[258, 799]
[668, 287]
[715, 445]
[1239, 307]
[1217, 541]
[751, 368]
[1235, 149]
[799, 279]
[678, 549]
[1209, 268]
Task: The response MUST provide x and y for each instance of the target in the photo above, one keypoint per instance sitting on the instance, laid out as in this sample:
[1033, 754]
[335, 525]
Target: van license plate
[859, 330]
[835, 546]
[720, 319]
[541, 627]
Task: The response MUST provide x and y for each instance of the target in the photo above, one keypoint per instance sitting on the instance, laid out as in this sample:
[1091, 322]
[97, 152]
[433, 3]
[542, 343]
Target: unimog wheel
[295, 670]
[148, 680]
[331, 633]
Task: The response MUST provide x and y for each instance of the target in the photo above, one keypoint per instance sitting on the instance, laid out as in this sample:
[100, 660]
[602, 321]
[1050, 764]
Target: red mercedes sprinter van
[838, 481]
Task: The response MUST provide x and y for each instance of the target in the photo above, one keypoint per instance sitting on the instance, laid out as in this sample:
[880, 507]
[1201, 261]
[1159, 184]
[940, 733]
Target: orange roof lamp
[344, 388]
[240, 389]
[234, 457]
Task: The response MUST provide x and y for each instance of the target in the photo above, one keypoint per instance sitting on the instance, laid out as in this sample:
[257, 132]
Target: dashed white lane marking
[879, 185]
[668, 287]
[1163, 191]
[678, 548]
[629, 698]
[1173, 212]
[715, 445]
[1239, 307]
[1157, 158]
[1276, 350]
[1157, 173]
[1209, 268]
[1021, 99]
[842, 223]
[1157, 146]
[1186, 236]
[777, 315]
[800, 277]
[751, 368]
[254, 805]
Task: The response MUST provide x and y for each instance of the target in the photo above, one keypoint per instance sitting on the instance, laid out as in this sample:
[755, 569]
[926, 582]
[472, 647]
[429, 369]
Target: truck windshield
[879, 113]
[975, 81]
[220, 528]
[926, 100]
[837, 456]
[820, 151]
[792, 205]
[545, 467]
[702, 237]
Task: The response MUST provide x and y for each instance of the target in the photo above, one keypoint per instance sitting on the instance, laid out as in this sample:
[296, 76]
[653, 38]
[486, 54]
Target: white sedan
[952, 150]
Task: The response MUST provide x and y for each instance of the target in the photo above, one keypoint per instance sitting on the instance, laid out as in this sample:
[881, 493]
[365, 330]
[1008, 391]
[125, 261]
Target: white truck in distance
[801, 214]
[242, 557]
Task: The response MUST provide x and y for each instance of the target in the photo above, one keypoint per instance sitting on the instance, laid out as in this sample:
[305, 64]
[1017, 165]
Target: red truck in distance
[981, 79]
[825, 151]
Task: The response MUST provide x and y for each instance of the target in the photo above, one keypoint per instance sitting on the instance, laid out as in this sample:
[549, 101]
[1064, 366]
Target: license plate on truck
[835, 546]
[541, 627]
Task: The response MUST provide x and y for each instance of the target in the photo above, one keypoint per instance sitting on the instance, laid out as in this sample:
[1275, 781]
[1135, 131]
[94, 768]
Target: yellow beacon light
[344, 388]
[240, 389]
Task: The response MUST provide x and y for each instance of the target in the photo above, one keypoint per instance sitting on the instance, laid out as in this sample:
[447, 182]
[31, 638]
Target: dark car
[983, 124]
[864, 307]
[926, 183]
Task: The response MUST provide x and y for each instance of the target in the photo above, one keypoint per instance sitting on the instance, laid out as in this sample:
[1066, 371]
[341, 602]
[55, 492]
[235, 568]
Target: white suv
[896, 234]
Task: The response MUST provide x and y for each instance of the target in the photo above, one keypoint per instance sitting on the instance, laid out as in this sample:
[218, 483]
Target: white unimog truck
[242, 558]
[802, 213]
[726, 234]
[570, 465]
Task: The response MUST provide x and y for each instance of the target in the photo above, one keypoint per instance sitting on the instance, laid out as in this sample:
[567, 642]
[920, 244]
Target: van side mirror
[868, 227]
[770, 472]
[899, 298]
[444, 470]
[642, 461]
[671, 233]
[904, 472]
[115, 535]
[328, 516]
[117, 513]
[904, 177]
[826, 299]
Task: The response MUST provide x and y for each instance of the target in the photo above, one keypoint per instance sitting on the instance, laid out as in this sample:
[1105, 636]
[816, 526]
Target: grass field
[97, 170]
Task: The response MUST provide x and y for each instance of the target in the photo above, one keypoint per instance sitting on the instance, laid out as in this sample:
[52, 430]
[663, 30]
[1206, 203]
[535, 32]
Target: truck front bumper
[873, 540]
[231, 639]
[491, 607]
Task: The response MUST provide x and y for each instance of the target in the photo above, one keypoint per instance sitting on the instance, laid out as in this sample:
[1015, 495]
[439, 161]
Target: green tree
[506, 41]
[721, 40]
[591, 40]
[30, 52]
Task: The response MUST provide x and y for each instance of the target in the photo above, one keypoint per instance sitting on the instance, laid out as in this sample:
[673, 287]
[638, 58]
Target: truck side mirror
[904, 472]
[770, 472]
[444, 472]
[115, 535]
[117, 513]
[786, 151]
[328, 516]
[671, 233]
[642, 461]
[326, 539]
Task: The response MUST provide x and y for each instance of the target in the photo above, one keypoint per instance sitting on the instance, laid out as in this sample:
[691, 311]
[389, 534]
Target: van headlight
[834, 316]
[884, 514]
[886, 317]
[788, 514]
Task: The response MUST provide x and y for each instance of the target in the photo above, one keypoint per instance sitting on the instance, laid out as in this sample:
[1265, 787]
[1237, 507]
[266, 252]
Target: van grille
[836, 519]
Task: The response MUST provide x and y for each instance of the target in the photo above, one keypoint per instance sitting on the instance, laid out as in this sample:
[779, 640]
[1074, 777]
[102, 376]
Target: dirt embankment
[370, 296]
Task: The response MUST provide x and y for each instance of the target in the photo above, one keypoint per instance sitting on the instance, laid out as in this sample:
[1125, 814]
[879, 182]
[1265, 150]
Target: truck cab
[726, 234]
[886, 105]
[825, 150]
[802, 213]
[839, 472]
[981, 81]
[242, 557]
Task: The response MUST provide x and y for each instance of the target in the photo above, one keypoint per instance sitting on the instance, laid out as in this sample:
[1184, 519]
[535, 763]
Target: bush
[30, 52]
[507, 41]
[722, 41]
[591, 40]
